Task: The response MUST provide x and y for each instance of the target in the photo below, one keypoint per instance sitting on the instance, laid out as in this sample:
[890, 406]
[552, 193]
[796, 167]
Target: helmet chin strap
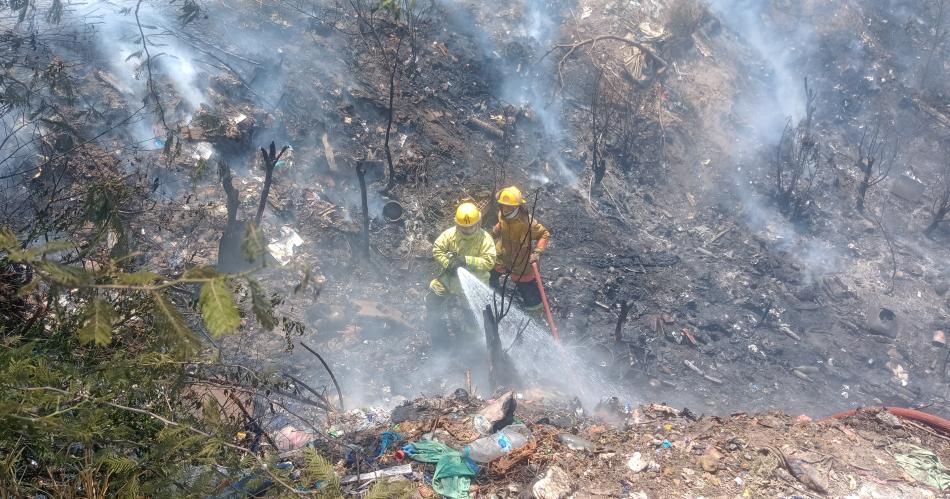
[513, 213]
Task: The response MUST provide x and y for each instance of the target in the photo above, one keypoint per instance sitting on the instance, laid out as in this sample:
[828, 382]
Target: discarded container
[574, 442]
[487, 449]
[283, 249]
[636, 463]
[939, 339]
[393, 211]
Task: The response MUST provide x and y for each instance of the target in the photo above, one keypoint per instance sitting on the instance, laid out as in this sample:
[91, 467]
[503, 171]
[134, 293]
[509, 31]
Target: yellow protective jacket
[514, 248]
[478, 250]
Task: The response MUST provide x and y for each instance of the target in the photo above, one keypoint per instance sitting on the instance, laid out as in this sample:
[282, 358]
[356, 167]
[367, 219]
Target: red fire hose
[544, 301]
[911, 414]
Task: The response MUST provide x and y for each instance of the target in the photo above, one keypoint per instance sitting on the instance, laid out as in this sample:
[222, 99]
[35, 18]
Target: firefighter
[465, 245]
[519, 243]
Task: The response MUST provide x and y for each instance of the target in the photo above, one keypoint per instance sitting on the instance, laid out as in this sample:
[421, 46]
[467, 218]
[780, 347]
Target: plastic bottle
[487, 449]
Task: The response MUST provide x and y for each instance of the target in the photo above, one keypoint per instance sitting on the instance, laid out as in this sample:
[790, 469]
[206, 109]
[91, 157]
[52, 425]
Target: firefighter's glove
[456, 263]
[535, 257]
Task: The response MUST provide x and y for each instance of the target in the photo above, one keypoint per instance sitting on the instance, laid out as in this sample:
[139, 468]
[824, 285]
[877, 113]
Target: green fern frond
[118, 464]
[131, 489]
[218, 309]
[140, 278]
[383, 489]
[318, 469]
[261, 306]
[253, 243]
[98, 325]
[169, 321]
[64, 274]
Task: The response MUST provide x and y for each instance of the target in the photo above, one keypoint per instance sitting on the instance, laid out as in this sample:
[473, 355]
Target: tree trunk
[364, 236]
[389, 121]
[624, 310]
[938, 218]
[863, 188]
[501, 368]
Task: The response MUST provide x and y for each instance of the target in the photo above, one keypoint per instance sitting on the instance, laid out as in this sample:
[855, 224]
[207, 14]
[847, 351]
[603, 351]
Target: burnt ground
[705, 252]
[685, 229]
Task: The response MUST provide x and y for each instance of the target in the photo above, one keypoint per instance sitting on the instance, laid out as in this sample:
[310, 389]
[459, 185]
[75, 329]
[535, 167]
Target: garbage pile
[530, 445]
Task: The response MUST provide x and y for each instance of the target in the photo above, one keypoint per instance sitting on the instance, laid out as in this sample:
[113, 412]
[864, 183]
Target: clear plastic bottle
[487, 449]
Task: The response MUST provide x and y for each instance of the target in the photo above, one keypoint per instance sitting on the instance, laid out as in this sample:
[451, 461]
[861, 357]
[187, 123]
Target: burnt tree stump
[501, 368]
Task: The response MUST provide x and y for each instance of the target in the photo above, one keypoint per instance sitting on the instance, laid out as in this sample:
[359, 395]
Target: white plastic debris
[900, 374]
[405, 469]
[203, 151]
[283, 249]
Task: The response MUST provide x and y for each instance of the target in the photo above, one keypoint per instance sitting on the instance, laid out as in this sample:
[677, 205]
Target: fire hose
[935, 422]
[544, 301]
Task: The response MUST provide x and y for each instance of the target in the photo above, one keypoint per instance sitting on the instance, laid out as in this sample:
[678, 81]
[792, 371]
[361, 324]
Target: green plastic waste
[453, 472]
[921, 464]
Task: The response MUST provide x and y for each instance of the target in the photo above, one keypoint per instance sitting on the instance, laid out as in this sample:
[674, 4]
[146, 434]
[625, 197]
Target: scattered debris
[636, 463]
[328, 153]
[922, 464]
[556, 484]
[497, 414]
[283, 249]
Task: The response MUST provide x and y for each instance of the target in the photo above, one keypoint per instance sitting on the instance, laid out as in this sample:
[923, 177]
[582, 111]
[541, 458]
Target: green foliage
[383, 489]
[317, 469]
[218, 309]
[396, 8]
[253, 244]
[66, 275]
[97, 391]
[261, 307]
[98, 326]
[169, 322]
[139, 278]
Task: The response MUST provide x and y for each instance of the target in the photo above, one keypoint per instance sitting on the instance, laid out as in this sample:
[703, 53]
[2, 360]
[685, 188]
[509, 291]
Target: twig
[309, 389]
[518, 336]
[571, 48]
[879, 220]
[247, 415]
[924, 428]
[329, 371]
[148, 66]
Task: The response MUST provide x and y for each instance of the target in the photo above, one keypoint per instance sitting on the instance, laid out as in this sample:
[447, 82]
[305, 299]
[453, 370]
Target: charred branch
[326, 366]
[798, 163]
[571, 48]
[941, 205]
[270, 158]
[625, 307]
[876, 154]
[364, 235]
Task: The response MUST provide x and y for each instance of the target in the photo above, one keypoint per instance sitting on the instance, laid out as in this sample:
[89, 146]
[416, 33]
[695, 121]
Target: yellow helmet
[467, 215]
[510, 196]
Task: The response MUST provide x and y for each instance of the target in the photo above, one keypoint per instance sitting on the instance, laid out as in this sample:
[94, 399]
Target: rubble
[556, 484]
[496, 414]
[657, 451]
